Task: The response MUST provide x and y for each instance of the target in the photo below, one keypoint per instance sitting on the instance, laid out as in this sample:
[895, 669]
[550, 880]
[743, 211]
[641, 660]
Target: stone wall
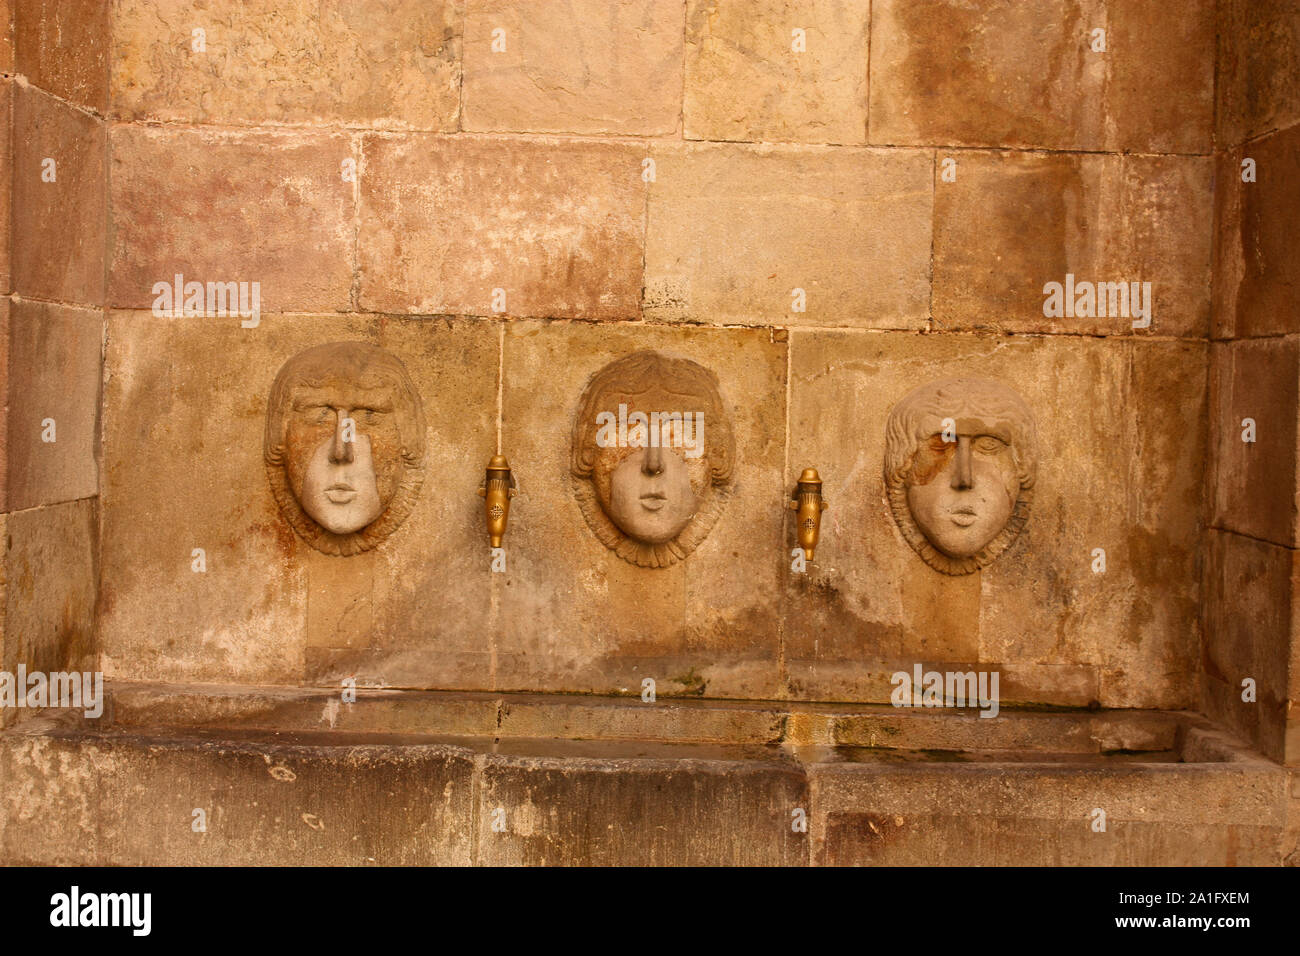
[1254, 370]
[53, 215]
[524, 169]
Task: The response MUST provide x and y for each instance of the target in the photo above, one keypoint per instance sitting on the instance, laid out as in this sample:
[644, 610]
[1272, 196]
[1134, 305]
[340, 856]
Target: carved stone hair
[631, 380]
[360, 365]
[919, 416]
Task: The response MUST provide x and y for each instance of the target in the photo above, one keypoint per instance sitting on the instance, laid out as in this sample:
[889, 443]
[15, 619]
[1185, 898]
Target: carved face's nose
[961, 472]
[653, 463]
[340, 450]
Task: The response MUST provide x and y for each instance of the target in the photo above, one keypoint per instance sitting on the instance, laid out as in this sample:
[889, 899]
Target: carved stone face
[963, 492]
[652, 499]
[960, 461]
[344, 445]
[651, 494]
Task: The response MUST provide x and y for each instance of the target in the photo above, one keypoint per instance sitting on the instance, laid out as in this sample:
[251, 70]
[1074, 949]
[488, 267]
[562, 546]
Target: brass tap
[497, 490]
[808, 503]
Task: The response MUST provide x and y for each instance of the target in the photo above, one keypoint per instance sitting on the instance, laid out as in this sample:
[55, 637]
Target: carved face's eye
[373, 413]
[313, 414]
[988, 445]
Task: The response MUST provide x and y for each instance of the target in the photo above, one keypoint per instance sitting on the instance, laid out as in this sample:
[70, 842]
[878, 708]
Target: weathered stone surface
[1012, 222]
[6, 180]
[431, 590]
[54, 373]
[1291, 742]
[733, 230]
[1160, 84]
[48, 591]
[130, 801]
[1015, 735]
[640, 813]
[558, 226]
[415, 714]
[6, 36]
[220, 206]
[1291, 841]
[184, 390]
[61, 224]
[999, 74]
[573, 614]
[1250, 632]
[1258, 70]
[1253, 484]
[574, 66]
[746, 81]
[1257, 279]
[1107, 478]
[342, 62]
[4, 390]
[62, 46]
[1016, 74]
[122, 789]
[569, 723]
[1009, 815]
[1152, 655]
[687, 721]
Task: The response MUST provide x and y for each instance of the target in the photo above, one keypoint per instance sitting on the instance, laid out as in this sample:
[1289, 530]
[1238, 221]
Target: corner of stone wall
[1251, 652]
[53, 103]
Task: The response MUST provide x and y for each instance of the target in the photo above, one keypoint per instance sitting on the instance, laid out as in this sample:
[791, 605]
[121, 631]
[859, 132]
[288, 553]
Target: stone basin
[290, 776]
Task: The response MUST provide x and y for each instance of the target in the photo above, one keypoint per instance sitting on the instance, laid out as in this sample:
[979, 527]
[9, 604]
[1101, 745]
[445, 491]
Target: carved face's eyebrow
[308, 397]
[364, 399]
[998, 430]
[307, 404]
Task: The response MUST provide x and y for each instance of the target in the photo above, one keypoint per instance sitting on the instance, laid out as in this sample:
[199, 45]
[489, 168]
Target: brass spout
[808, 503]
[497, 490]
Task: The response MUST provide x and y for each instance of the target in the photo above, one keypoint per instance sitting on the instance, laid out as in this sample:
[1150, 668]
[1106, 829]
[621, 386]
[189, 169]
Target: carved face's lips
[653, 500]
[964, 516]
[340, 493]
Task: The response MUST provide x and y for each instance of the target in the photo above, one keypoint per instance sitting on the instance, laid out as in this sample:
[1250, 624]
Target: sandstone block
[221, 206]
[130, 801]
[61, 223]
[48, 591]
[574, 66]
[558, 228]
[183, 391]
[4, 390]
[54, 376]
[6, 36]
[6, 180]
[1258, 69]
[1254, 482]
[1005, 815]
[1013, 222]
[62, 47]
[1250, 633]
[575, 615]
[644, 812]
[734, 231]
[343, 62]
[779, 70]
[1058, 631]
[1257, 263]
[1013, 74]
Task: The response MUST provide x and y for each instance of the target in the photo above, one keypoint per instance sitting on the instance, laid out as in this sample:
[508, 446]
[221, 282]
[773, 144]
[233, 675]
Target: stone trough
[176, 774]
